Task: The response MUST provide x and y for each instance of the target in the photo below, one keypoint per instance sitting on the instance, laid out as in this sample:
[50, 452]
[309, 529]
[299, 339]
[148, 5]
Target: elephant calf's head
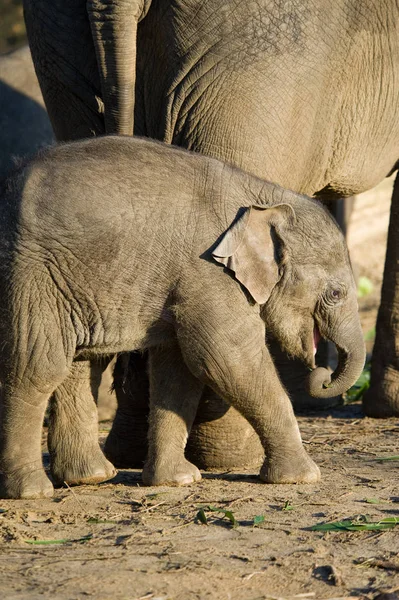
[293, 260]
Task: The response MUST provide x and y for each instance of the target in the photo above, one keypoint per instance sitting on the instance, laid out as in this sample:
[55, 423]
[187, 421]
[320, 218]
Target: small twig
[306, 595]
[380, 564]
[248, 577]
[230, 503]
[345, 495]
[377, 534]
[75, 496]
[151, 507]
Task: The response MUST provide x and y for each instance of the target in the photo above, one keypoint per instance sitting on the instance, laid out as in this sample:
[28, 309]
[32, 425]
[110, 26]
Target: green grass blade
[230, 516]
[393, 520]
[84, 538]
[359, 388]
[357, 525]
[227, 513]
[95, 521]
[201, 516]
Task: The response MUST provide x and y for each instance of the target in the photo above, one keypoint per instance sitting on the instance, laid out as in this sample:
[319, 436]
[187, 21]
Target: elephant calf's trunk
[323, 384]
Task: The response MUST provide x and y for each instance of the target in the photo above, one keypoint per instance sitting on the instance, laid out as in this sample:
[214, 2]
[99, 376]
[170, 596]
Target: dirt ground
[124, 541]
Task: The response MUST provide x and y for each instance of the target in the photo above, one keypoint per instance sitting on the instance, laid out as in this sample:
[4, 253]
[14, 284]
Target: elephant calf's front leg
[233, 359]
[174, 398]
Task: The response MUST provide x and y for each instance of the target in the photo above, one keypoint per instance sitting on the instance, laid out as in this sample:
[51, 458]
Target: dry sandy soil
[121, 540]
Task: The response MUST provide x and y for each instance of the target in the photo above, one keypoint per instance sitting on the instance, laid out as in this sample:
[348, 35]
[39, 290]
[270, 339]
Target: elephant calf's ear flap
[247, 248]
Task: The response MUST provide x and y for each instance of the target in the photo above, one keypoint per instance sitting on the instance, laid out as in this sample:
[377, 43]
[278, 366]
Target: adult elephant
[301, 93]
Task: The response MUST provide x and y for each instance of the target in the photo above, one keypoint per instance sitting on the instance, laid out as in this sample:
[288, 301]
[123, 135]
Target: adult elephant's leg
[220, 437]
[75, 454]
[126, 445]
[174, 397]
[64, 56]
[382, 399]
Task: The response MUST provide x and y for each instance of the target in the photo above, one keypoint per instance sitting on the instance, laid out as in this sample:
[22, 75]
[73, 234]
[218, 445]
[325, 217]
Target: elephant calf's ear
[247, 249]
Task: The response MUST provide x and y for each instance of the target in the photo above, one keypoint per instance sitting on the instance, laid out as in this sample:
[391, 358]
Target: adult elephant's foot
[89, 468]
[170, 472]
[298, 468]
[381, 401]
[221, 438]
[29, 482]
[126, 445]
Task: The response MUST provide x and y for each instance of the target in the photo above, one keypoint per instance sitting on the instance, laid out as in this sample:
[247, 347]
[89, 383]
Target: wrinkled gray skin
[285, 90]
[69, 295]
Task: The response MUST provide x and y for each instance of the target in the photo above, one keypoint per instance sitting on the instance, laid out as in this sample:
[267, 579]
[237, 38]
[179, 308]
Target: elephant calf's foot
[290, 469]
[27, 483]
[83, 472]
[171, 472]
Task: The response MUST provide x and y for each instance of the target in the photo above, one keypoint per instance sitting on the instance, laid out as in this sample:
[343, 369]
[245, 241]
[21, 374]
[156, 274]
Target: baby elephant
[115, 244]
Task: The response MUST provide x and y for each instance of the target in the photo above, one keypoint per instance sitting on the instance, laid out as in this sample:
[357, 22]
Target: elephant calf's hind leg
[175, 394]
[22, 407]
[76, 457]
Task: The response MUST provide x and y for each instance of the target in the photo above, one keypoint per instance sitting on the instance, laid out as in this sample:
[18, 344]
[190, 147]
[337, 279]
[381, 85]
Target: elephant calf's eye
[335, 294]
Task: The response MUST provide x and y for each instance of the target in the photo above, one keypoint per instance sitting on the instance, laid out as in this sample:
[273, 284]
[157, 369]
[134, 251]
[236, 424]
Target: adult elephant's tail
[114, 29]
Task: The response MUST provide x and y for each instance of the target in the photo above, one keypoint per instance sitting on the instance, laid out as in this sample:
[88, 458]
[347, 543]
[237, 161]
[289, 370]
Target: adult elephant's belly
[336, 144]
[309, 119]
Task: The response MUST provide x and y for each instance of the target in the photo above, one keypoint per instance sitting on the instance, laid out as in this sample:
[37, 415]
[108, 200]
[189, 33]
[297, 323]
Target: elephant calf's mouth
[316, 338]
[310, 341]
